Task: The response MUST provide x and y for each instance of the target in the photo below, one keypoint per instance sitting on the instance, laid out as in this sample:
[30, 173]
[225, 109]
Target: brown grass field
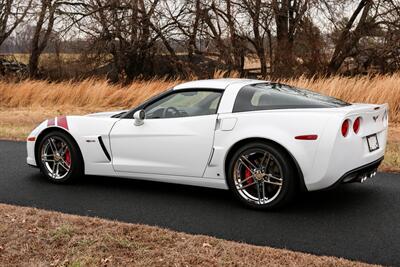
[95, 94]
[32, 237]
[25, 104]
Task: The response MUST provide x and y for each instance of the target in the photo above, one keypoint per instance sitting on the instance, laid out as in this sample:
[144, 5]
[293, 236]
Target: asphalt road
[355, 221]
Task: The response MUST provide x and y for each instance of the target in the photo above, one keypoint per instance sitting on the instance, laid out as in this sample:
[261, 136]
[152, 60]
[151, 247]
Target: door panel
[171, 146]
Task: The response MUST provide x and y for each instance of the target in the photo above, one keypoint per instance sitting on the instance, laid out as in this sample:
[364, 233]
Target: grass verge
[33, 237]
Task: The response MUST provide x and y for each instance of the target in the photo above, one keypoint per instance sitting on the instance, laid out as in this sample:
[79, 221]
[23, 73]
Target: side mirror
[139, 116]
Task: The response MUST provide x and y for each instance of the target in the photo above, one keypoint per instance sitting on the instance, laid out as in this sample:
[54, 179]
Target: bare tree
[12, 13]
[192, 46]
[288, 15]
[130, 38]
[222, 24]
[187, 20]
[260, 18]
[348, 37]
[128, 30]
[41, 34]
[310, 49]
[378, 19]
[48, 11]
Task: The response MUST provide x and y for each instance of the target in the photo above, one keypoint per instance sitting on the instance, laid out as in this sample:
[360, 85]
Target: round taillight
[356, 125]
[345, 127]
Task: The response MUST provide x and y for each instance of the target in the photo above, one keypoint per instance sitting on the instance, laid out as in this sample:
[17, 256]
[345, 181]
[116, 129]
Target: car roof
[215, 83]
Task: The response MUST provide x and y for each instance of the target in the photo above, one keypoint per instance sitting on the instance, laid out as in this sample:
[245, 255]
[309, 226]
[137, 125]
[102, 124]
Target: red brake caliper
[247, 174]
[68, 157]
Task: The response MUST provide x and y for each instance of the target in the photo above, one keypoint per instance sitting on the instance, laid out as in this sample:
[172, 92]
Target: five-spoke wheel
[261, 175]
[58, 157]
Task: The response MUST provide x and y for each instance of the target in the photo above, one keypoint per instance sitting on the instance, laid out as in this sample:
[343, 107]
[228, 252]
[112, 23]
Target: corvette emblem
[375, 117]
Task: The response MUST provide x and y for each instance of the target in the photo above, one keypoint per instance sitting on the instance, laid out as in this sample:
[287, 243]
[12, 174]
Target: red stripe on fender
[51, 122]
[307, 137]
[62, 122]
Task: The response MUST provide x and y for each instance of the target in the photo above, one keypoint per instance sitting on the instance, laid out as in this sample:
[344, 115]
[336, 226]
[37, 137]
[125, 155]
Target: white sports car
[264, 141]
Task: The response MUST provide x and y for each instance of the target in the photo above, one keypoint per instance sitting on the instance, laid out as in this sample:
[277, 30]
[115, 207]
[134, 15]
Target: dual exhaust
[363, 177]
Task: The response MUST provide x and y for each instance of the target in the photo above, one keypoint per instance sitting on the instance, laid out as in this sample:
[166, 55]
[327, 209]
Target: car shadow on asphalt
[340, 198]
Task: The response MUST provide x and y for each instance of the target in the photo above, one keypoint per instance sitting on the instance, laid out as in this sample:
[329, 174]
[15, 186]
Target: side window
[184, 104]
[266, 96]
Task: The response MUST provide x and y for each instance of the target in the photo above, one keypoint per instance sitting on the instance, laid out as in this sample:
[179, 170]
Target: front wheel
[262, 176]
[59, 158]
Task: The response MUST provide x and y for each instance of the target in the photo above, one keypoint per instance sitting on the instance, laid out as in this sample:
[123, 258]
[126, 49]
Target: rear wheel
[59, 158]
[261, 176]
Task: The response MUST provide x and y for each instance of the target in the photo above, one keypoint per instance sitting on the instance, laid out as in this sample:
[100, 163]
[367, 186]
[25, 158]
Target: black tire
[289, 176]
[76, 160]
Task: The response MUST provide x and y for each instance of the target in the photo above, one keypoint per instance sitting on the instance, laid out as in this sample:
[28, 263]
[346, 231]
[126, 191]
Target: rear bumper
[342, 157]
[359, 174]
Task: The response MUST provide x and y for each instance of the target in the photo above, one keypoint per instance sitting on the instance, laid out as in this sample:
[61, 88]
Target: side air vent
[104, 148]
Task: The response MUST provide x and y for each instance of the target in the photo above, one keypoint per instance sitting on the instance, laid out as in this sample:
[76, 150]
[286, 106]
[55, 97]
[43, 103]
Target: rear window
[266, 96]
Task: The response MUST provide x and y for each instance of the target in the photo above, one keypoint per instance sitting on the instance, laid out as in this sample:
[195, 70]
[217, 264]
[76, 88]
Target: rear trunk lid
[374, 118]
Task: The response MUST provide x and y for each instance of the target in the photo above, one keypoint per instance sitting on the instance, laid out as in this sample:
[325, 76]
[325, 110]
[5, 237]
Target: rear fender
[280, 127]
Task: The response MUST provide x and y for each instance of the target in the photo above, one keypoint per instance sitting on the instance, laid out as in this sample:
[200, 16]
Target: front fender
[85, 130]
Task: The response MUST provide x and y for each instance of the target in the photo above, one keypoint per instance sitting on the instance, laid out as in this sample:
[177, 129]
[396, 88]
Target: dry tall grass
[86, 94]
[366, 89]
[100, 94]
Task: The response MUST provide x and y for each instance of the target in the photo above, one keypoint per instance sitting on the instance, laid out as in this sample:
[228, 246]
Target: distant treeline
[124, 39]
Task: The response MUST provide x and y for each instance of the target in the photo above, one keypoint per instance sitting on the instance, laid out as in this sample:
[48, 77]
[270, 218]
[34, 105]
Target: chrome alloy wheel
[258, 176]
[56, 157]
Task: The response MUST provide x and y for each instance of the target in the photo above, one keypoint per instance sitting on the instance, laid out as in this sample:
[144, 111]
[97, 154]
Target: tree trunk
[283, 61]
[34, 57]
[5, 11]
[192, 48]
[348, 39]
[234, 46]
[39, 45]
[270, 51]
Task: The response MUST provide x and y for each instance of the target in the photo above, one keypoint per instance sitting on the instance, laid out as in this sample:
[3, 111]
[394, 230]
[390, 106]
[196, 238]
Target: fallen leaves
[207, 245]
[105, 261]
[84, 241]
[33, 230]
[55, 262]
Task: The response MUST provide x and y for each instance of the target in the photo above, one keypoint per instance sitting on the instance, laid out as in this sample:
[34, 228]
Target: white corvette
[264, 141]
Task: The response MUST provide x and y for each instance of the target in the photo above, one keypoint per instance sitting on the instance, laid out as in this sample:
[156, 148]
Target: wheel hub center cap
[259, 175]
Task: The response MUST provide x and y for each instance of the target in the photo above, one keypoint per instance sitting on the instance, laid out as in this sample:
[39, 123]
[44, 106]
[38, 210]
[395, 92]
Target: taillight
[345, 127]
[356, 125]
